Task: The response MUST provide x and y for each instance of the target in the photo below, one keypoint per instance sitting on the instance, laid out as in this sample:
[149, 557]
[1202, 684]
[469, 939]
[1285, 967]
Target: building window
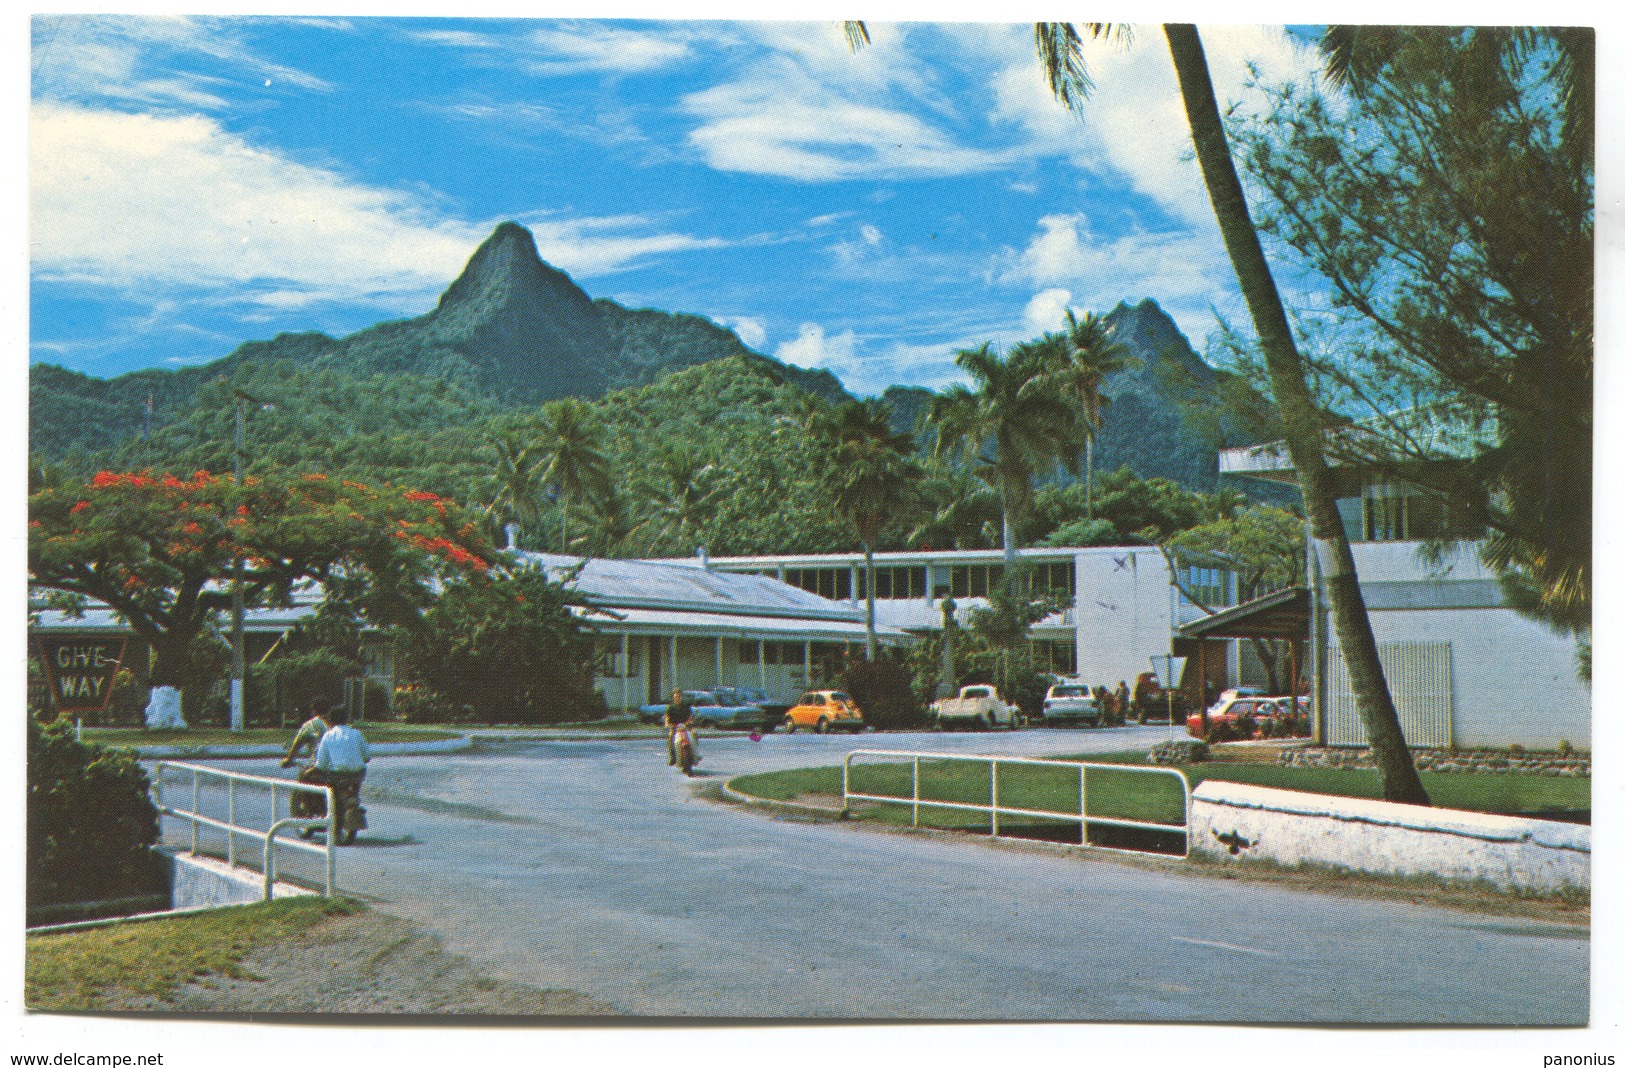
[1052, 578]
[974, 580]
[896, 584]
[832, 583]
[1390, 510]
[1058, 658]
[1207, 586]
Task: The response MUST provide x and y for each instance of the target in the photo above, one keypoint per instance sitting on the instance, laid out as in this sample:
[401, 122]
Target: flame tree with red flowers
[158, 549]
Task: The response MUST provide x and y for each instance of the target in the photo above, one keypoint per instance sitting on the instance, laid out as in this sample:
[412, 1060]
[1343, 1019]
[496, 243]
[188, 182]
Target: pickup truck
[976, 706]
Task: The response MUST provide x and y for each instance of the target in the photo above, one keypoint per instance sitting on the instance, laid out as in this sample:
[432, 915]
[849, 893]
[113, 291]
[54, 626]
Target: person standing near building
[1121, 697]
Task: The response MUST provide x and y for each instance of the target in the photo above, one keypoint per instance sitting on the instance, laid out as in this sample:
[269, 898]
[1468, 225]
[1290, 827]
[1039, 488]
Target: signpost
[1169, 668]
[80, 670]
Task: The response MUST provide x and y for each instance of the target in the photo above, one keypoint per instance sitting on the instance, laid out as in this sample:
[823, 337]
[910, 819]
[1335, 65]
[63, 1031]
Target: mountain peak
[540, 330]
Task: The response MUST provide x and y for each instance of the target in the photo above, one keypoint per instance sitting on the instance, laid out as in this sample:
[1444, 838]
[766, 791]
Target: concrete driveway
[590, 865]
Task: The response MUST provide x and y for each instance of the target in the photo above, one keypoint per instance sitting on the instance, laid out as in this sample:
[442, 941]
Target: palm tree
[1060, 52]
[570, 443]
[1088, 358]
[1300, 418]
[681, 488]
[1012, 425]
[870, 481]
[518, 497]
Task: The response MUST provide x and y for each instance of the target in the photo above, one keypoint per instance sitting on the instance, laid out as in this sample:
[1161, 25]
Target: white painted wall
[1123, 613]
[1235, 822]
[1515, 681]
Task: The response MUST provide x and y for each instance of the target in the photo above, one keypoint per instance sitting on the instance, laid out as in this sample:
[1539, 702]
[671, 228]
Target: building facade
[1123, 608]
[1464, 669]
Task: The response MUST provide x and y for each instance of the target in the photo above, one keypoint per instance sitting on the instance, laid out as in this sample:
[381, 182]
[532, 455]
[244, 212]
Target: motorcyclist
[678, 713]
[310, 733]
[306, 805]
[341, 758]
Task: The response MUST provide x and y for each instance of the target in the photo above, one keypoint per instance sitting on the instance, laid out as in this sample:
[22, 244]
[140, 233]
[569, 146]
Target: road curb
[743, 798]
[245, 752]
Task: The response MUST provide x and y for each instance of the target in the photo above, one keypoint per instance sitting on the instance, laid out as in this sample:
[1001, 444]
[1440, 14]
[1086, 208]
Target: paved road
[589, 865]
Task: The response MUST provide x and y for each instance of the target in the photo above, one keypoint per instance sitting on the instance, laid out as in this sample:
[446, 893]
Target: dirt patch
[366, 963]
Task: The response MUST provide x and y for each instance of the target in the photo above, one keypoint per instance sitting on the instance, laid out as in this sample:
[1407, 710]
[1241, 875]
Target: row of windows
[790, 653]
[1208, 586]
[913, 583]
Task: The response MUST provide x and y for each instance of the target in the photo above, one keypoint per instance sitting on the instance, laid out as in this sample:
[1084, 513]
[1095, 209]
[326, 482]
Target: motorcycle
[686, 758]
[310, 806]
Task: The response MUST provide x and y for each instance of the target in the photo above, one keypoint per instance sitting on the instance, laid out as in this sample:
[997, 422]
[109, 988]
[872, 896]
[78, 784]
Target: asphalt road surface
[590, 865]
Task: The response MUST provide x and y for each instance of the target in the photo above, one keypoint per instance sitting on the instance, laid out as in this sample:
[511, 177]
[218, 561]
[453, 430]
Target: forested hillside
[706, 440]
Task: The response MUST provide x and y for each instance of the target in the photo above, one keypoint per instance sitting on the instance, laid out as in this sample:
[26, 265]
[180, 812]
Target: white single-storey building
[1124, 607]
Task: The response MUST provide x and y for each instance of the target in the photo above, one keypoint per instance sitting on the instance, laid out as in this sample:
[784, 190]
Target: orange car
[824, 710]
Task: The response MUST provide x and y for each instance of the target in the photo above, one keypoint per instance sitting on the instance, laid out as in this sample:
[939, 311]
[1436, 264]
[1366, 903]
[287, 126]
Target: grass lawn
[1126, 795]
[140, 736]
[89, 969]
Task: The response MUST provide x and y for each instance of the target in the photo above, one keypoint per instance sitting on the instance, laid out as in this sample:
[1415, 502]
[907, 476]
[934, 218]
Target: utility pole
[237, 716]
[238, 399]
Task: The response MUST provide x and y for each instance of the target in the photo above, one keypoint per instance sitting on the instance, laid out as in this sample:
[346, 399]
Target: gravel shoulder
[366, 963]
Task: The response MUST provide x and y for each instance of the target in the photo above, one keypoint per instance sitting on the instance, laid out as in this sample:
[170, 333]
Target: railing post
[993, 792]
[846, 784]
[1083, 805]
[194, 811]
[231, 818]
[916, 791]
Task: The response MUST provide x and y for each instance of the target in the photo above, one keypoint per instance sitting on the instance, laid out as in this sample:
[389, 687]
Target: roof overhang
[1282, 614]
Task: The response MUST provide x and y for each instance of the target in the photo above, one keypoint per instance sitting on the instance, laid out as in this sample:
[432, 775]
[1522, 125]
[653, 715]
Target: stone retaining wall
[1497, 760]
[1235, 823]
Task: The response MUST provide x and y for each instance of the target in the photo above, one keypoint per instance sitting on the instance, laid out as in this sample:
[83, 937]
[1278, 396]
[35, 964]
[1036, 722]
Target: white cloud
[1185, 270]
[571, 48]
[867, 372]
[1134, 122]
[813, 349]
[142, 202]
[1047, 310]
[750, 330]
[144, 59]
[815, 111]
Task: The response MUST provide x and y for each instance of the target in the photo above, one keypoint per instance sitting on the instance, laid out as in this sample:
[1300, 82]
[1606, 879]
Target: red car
[1232, 711]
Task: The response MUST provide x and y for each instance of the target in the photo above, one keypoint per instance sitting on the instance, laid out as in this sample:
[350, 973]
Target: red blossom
[81, 506]
[242, 509]
[192, 528]
[35, 524]
[238, 522]
[421, 495]
[314, 477]
[104, 479]
[133, 582]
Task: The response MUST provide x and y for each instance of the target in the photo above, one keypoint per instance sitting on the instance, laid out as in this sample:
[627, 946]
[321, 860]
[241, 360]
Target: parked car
[750, 695]
[824, 710]
[1240, 714]
[714, 709]
[1069, 702]
[977, 706]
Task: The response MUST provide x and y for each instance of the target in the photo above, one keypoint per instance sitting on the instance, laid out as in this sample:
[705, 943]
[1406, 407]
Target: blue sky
[199, 182]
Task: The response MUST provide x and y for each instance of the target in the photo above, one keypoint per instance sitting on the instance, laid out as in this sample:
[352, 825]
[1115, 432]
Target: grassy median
[1129, 795]
[99, 967]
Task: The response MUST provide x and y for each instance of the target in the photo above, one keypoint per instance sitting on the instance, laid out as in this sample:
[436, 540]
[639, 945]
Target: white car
[1071, 701]
[976, 706]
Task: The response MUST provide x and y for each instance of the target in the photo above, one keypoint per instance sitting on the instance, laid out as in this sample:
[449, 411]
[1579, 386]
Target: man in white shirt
[341, 762]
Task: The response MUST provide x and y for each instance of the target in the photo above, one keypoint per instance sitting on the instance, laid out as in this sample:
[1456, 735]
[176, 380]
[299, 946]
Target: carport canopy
[1283, 614]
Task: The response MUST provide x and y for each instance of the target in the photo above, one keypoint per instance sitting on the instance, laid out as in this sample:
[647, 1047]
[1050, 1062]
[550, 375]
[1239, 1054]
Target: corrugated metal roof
[708, 624]
[689, 587]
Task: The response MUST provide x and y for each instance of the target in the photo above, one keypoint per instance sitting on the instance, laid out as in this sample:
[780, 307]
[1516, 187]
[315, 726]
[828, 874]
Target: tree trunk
[1300, 419]
[1009, 534]
[1089, 476]
[869, 602]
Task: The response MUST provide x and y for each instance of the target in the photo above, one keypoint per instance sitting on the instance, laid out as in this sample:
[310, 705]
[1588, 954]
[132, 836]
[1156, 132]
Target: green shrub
[509, 650]
[284, 686]
[90, 821]
[884, 690]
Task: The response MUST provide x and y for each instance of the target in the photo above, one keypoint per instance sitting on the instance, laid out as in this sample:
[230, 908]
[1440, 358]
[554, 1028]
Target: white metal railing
[1082, 816]
[234, 828]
